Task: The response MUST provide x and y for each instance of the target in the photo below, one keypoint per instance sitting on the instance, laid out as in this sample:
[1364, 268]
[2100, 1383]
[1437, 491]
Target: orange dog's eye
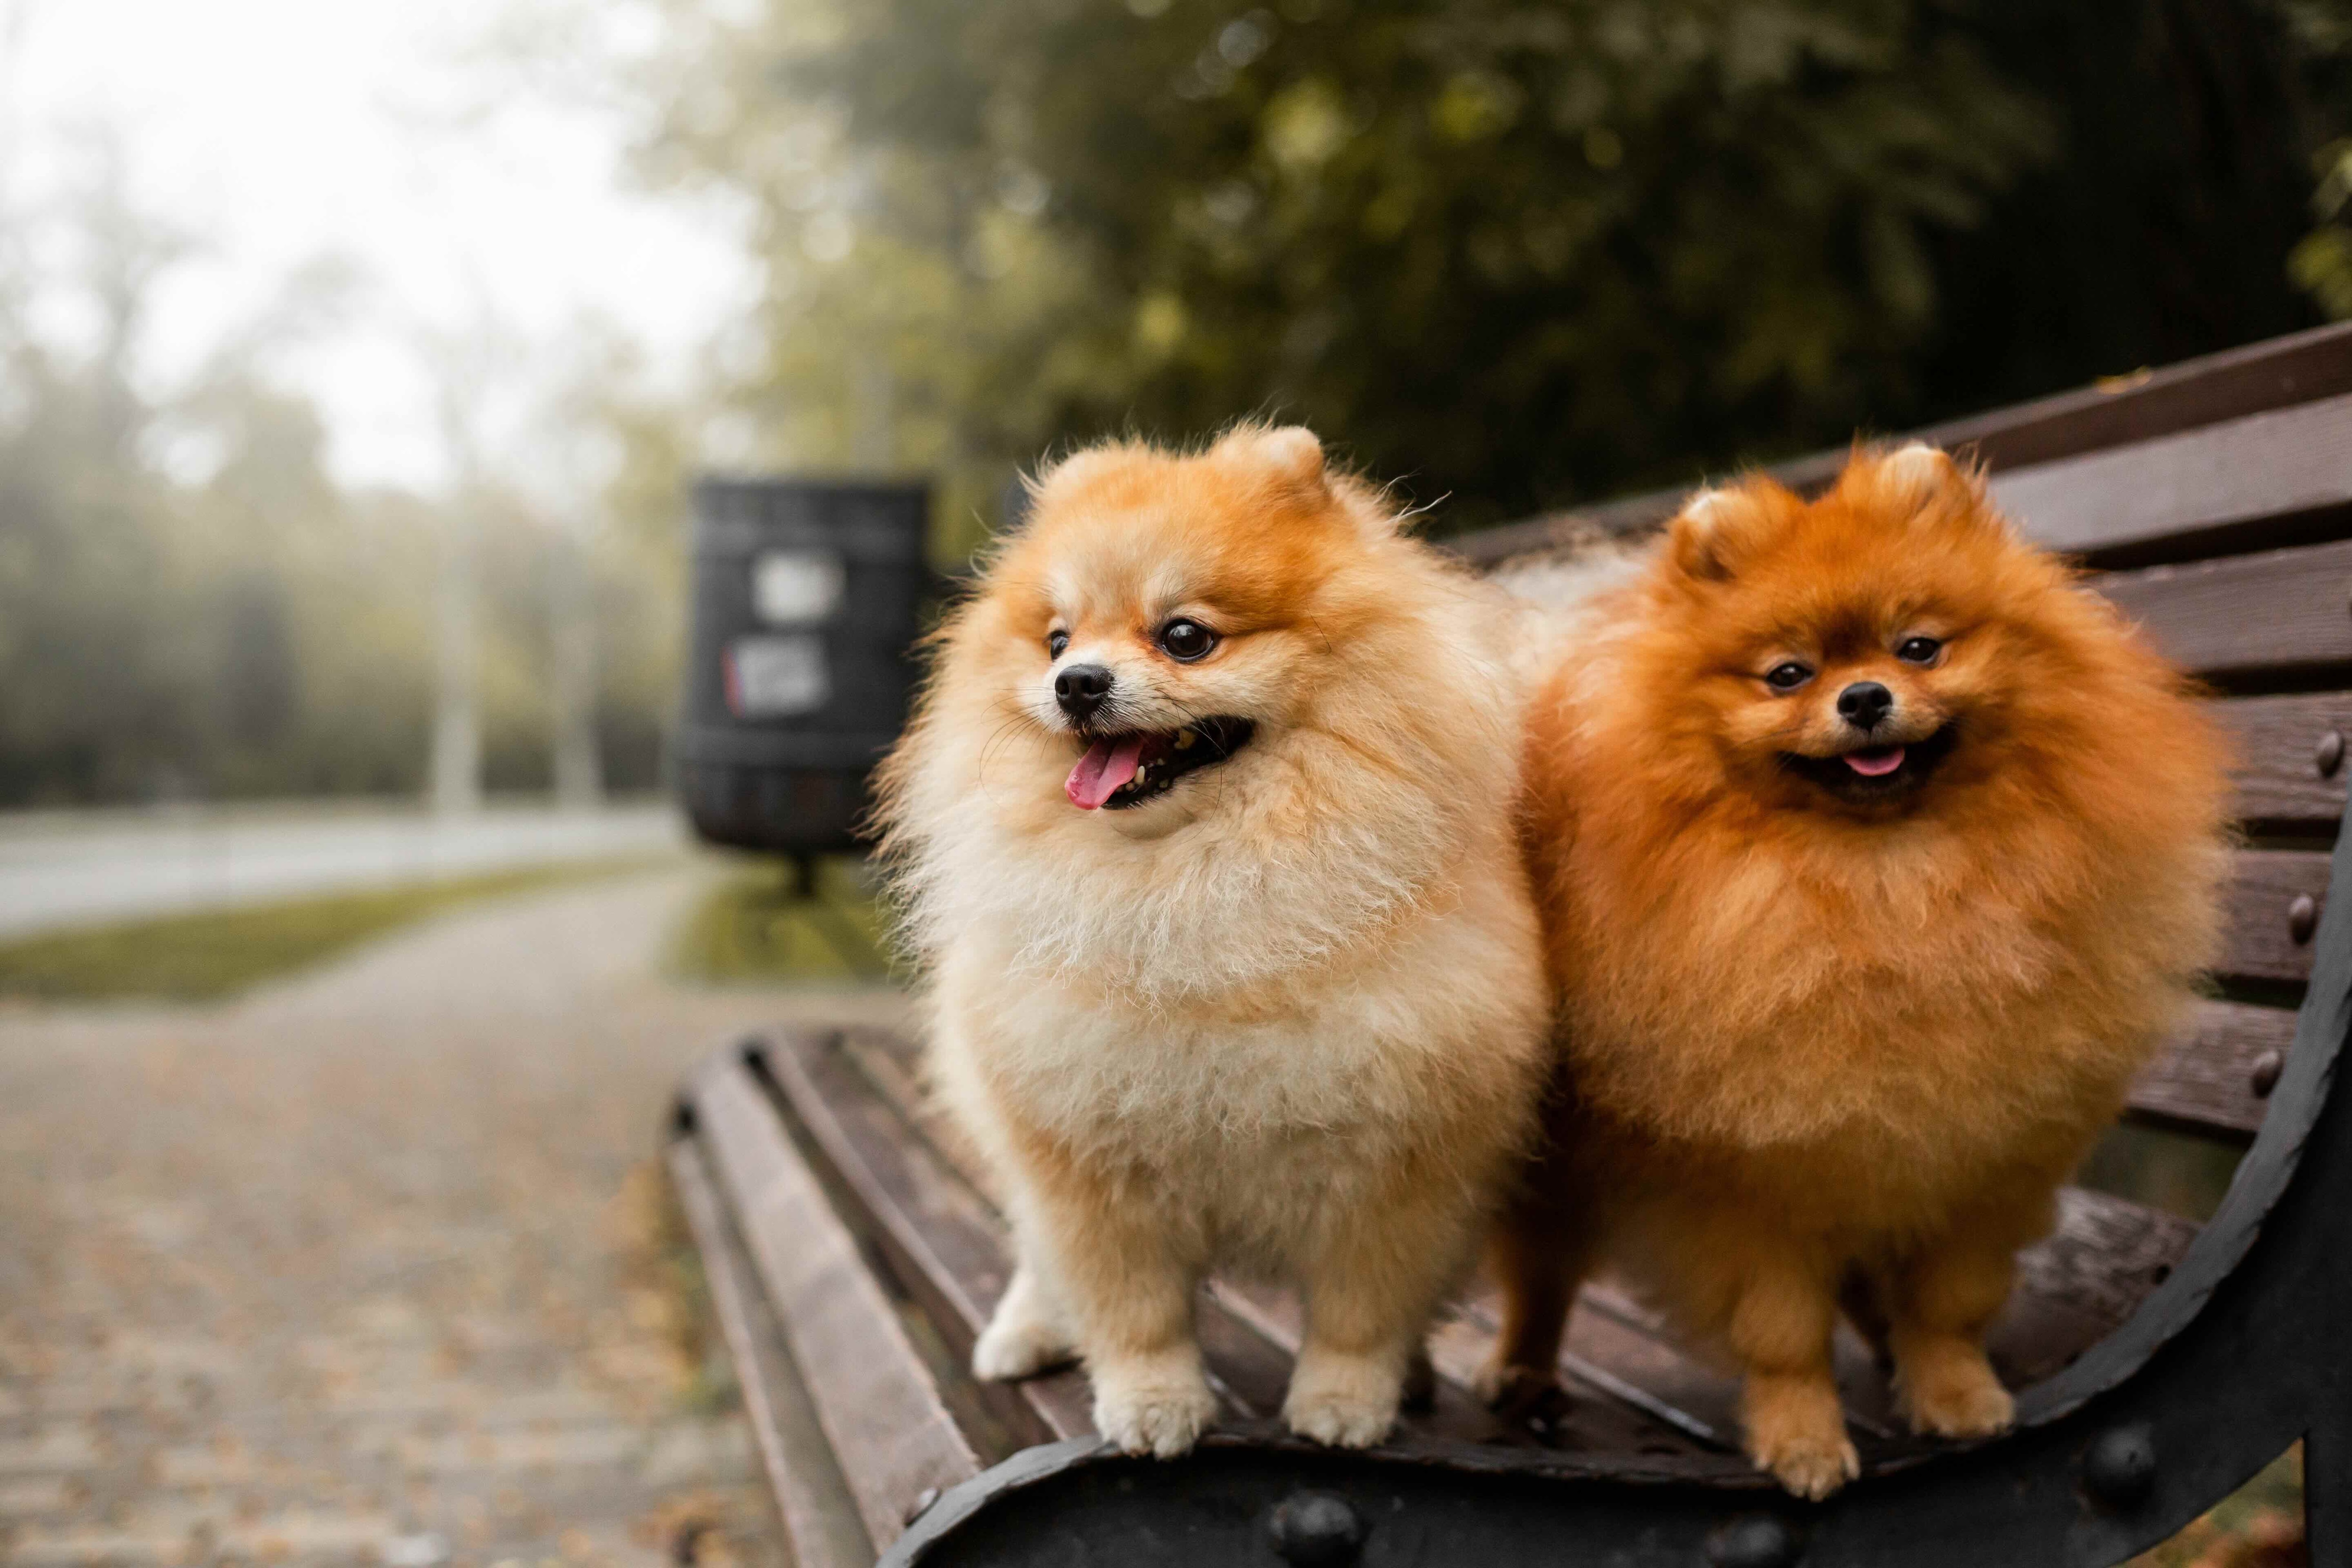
[1918, 650]
[1056, 644]
[1186, 640]
[1787, 675]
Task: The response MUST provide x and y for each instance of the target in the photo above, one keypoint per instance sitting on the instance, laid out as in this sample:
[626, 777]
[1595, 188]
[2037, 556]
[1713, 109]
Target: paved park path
[90, 867]
[366, 1267]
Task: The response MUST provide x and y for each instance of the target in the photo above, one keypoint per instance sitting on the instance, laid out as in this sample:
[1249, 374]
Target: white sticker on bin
[771, 677]
[796, 587]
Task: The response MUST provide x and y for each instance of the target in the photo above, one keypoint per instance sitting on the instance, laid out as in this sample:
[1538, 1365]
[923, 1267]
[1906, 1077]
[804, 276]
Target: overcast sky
[278, 132]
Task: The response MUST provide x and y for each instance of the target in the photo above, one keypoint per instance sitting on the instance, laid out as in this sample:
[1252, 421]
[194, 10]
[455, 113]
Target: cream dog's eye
[1787, 675]
[1056, 644]
[1919, 650]
[1186, 640]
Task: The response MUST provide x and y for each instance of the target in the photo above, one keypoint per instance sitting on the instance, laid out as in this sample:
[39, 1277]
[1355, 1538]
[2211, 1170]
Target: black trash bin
[805, 598]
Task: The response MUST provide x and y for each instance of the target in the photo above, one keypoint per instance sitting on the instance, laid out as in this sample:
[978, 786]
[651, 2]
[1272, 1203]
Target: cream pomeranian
[1203, 830]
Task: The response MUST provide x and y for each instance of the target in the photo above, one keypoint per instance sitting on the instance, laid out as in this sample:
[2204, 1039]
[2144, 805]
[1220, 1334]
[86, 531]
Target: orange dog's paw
[1520, 1393]
[1958, 1397]
[1797, 1431]
[1809, 1465]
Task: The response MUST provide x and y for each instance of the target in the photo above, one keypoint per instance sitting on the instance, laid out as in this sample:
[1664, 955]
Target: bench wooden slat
[2277, 612]
[896, 1443]
[2304, 368]
[2278, 774]
[818, 1510]
[2265, 890]
[2213, 483]
[942, 1240]
[2205, 1076]
[2076, 1286]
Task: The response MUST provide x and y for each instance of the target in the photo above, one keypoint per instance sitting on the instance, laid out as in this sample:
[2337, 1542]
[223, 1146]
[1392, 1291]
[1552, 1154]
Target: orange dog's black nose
[1082, 688]
[1864, 703]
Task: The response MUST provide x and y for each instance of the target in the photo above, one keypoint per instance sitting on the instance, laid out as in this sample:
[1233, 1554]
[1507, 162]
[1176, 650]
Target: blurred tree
[2322, 261]
[191, 604]
[1521, 253]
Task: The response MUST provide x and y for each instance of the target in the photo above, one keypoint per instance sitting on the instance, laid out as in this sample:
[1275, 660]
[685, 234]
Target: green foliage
[1520, 253]
[1513, 253]
[2260, 1525]
[220, 953]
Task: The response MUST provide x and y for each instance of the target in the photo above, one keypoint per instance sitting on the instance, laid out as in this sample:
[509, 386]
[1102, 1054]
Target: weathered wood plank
[2199, 482]
[2307, 367]
[2216, 1071]
[2268, 892]
[2284, 773]
[2271, 613]
[2302, 367]
[2074, 1287]
[895, 1441]
[818, 1510]
[942, 1238]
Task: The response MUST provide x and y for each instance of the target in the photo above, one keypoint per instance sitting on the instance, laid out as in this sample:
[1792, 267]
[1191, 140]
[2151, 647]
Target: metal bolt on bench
[2160, 1365]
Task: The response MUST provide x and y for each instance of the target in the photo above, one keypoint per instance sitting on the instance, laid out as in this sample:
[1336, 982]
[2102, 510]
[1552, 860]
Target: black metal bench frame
[849, 1267]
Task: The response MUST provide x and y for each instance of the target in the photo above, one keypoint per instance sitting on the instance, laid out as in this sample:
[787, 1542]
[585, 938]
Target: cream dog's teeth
[1184, 739]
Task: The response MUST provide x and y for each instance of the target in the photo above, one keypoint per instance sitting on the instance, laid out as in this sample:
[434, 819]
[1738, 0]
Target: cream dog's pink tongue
[1869, 764]
[1105, 766]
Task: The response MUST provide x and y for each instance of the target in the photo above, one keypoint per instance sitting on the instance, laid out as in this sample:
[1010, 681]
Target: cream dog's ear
[1717, 532]
[1290, 456]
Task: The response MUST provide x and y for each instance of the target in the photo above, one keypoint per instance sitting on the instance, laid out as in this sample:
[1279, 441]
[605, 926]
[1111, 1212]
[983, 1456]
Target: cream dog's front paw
[1005, 1352]
[1024, 1336]
[1347, 1401]
[1162, 1416]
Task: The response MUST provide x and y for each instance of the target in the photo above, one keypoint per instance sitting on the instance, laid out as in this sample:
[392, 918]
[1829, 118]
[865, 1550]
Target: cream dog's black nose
[1082, 688]
[1864, 703]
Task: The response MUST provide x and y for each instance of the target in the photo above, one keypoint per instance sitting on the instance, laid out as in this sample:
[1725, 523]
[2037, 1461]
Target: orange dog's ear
[1717, 530]
[1915, 483]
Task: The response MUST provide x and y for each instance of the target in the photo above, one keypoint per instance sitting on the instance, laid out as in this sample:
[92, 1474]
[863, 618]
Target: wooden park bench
[852, 1257]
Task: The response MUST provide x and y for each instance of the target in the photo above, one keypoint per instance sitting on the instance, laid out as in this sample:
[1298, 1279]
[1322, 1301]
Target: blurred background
[356, 361]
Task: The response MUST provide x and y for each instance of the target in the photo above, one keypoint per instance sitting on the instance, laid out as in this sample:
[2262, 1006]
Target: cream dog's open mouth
[1131, 767]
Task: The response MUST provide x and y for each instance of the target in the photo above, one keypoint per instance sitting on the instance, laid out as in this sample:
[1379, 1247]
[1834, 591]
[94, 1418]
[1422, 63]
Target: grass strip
[209, 954]
[752, 929]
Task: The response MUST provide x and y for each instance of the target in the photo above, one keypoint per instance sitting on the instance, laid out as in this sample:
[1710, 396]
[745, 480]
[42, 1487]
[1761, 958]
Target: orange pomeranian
[1875, 853]
[1204, 830]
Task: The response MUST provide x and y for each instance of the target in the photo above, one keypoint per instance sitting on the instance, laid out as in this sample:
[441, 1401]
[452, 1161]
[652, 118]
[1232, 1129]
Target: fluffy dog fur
[1823, 1030]
[1286, 1017]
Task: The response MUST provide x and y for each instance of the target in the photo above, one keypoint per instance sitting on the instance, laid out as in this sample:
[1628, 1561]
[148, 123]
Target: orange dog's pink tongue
[1102, 769]
[1869, 764]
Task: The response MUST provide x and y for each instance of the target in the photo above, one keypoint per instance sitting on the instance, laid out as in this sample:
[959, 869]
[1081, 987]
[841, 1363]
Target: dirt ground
[368, 1266]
